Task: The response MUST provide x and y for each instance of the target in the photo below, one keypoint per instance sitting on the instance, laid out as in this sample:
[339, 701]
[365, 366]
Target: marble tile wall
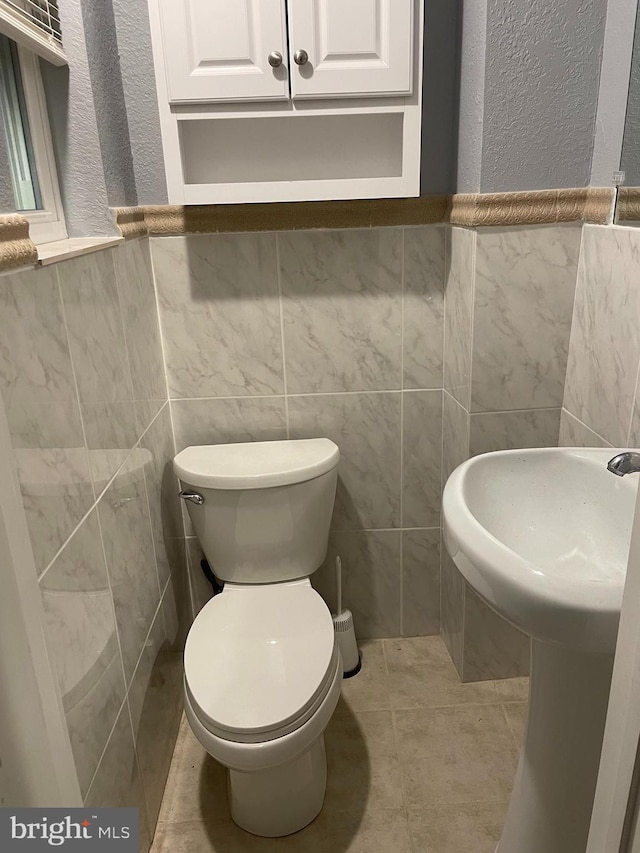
[601, 404]
[508, 310]
[336, 333]
[82, 378]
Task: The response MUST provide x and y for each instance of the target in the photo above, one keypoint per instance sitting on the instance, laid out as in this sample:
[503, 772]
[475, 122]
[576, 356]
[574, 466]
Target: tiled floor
[417, 763]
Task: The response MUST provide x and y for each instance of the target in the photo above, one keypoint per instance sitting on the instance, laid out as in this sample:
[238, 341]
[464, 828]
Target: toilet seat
[259, 660]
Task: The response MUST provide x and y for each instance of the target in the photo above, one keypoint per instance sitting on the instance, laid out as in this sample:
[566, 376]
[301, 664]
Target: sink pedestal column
[552, 799]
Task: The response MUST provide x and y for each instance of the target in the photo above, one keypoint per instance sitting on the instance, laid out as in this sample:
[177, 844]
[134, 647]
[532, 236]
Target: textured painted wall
[472, 86]
[440, 96]
[104, 115]
[139, 86]
[630, 160]
[541, 90]
[109, 103]
[76, 135]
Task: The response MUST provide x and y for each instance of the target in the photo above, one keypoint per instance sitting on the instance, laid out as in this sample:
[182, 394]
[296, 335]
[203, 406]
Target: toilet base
[283, 799]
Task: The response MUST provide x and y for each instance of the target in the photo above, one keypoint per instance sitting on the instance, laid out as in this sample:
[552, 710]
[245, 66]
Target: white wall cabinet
[289, 100]
[356, 48]
[218, 50]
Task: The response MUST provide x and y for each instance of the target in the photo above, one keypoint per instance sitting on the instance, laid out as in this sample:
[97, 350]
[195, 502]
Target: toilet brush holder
[345, 632]
[346, 636]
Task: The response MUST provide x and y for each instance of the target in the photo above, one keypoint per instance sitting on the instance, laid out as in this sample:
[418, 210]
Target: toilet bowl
[262, 668]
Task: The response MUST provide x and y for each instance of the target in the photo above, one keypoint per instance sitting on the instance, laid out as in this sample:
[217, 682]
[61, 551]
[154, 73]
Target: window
[34, 24]
[28, 179]
[19, 148]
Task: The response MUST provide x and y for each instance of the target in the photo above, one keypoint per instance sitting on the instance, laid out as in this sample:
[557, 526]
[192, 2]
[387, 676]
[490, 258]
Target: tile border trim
[282, 216]
[587, 204]
[628, 207]
[130, 221]
[17, 249]
[536, 207]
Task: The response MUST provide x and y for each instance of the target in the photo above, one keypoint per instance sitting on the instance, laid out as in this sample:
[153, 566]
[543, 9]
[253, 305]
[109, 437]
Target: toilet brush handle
[339, 584]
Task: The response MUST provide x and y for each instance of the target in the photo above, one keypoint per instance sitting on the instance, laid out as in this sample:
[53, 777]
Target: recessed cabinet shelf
[285, 100]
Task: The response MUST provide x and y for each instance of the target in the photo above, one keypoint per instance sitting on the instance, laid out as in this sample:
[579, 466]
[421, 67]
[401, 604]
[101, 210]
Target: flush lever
[194, 497]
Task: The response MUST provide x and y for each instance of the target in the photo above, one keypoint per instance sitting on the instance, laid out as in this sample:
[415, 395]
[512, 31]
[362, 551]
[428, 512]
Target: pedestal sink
[543, 537]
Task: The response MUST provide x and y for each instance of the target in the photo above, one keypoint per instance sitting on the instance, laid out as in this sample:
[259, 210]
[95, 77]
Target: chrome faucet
[625, 463]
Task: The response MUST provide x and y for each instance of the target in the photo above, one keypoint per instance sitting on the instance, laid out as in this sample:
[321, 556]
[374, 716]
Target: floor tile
[455, 755]
[513, 689]
[417, 763]
[516, 714]
[369, 689]
[362, 762]
[465, 828]
[384, 831]
[196, 788]
[422, 675]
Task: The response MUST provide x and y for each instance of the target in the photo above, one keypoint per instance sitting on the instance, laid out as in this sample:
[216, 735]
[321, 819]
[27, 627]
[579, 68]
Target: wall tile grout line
[474, 253]
[127, 689]
[116, 279]
[586, 426]
[163, 354]
[355, 530]
[115, 628]
[515, 411]
[446, 272]
[145, 803]
[402, 401]
[633, 405]
[282, 343]
[311, 394]
[153, 538]
[474, 249]
[102, 754]
[102, 493]
[75, 381]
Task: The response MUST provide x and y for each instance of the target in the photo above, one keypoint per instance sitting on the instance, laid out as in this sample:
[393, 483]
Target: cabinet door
[355, 47]
[218, 50]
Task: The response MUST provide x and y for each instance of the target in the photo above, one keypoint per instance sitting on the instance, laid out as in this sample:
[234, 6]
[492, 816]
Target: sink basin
[543, 537]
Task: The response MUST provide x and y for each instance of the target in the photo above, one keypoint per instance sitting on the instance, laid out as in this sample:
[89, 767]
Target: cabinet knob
[275, 59]
[301, 57]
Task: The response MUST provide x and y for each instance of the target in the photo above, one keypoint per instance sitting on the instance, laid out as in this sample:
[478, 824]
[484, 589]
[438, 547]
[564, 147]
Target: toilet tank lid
[256, 465]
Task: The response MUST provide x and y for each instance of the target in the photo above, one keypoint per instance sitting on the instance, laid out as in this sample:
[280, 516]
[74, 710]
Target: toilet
[262, 668]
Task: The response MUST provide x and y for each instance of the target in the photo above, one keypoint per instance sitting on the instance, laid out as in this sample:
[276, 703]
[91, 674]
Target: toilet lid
[257, 464]
[257, 657]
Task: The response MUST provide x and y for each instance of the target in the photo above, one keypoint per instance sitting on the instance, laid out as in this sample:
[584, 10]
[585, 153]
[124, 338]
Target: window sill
[62, 250]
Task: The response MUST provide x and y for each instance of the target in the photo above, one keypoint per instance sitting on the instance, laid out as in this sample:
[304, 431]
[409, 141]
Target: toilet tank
[266, 506]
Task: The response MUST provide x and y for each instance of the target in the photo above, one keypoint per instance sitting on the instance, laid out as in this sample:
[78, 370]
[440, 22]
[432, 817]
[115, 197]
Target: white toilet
[262, 668]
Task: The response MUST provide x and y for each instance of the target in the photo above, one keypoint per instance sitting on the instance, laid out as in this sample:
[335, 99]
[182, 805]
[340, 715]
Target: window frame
[48, 224]
[18, 24]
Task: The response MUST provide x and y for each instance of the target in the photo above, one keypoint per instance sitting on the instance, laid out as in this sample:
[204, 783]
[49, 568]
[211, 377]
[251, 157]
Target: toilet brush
[345, 632]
